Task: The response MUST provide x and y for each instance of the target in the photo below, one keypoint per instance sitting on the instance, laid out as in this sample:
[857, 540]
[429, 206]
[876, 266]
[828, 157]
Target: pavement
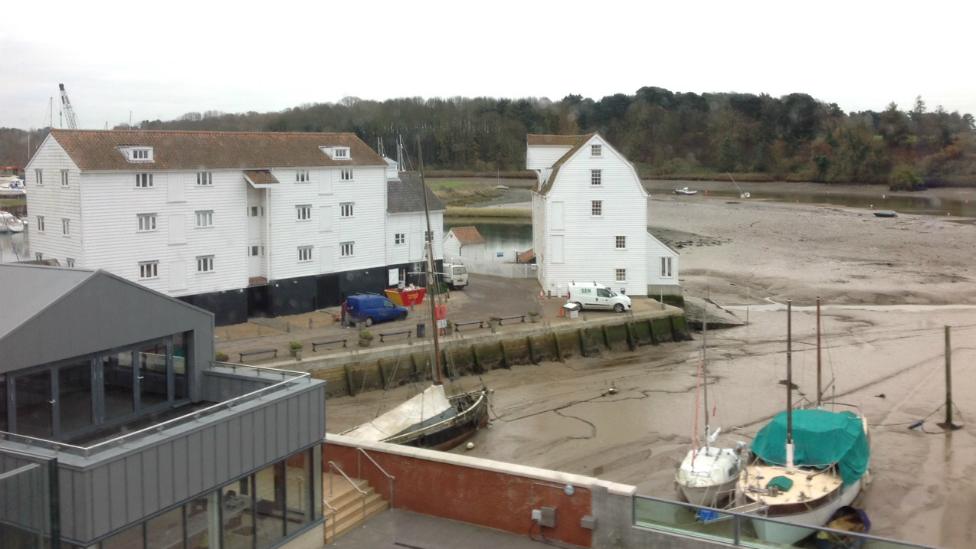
[485, 297]
[398, 529]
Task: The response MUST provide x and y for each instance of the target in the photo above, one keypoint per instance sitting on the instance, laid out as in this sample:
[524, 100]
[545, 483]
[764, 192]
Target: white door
[174, 186]
[177, 231]
[327, 259]
[557, 248]
[325, 219]
[557, 216]
[177, 275]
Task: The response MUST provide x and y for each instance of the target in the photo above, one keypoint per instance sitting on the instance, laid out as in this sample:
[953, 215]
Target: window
[596, 150]
[302, 176]
[399, 238]
[70, 261]
[144, 180]
[204, 179]
[596, 177]
[255, 251]
[40, 223]
[257, 211]
[346, 249]
[148, 270]
[341, 152]
[666, 267]
[64, 178]
[204, 218]
[38, 256]
[39, 176]
[596, 207]
[65, 226]
[205, 263]
[621, 242]
[304, 212]
[304, 254]
[346, 209]
[621, 275]
[140, 154]
[346, 174]
[147, 222]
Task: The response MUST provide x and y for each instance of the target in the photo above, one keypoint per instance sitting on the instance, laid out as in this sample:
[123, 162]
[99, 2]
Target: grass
[505, 213]
[13, 202]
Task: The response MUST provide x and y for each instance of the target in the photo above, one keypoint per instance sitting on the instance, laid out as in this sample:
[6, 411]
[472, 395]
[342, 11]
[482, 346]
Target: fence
[739, 529]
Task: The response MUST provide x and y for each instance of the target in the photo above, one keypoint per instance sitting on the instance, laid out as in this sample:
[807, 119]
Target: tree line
[664, 133]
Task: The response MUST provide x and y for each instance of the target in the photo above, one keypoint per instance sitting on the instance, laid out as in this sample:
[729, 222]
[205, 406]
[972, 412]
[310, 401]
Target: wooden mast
[789, 383]
[705, 368]
[818, 355]
[431, 279]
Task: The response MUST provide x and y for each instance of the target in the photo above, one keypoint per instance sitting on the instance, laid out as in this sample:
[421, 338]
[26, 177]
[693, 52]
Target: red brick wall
[487, 498]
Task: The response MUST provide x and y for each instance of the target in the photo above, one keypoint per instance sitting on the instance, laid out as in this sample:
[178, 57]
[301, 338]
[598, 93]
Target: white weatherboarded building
[589, 219]
[239, 223]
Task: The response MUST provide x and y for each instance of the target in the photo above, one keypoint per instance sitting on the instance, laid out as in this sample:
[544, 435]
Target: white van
[590, 295]
[455, 275]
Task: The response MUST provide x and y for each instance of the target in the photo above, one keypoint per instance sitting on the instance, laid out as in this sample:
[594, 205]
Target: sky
[162, 59]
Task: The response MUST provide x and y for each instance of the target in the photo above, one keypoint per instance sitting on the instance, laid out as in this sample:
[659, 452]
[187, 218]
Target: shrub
[904, 178]
[365, 334]
[296, 346]
[221, 357]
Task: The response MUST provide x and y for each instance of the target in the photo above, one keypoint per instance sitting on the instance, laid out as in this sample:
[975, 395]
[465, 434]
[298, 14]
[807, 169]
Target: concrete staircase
[348, 504]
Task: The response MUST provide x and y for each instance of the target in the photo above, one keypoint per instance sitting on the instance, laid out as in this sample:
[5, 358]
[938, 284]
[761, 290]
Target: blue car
[373, 308]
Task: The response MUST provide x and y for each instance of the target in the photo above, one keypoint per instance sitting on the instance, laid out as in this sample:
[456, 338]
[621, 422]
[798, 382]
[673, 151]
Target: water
[501, 237]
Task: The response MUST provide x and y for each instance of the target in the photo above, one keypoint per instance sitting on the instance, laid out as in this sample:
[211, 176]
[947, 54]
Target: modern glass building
[117, 428]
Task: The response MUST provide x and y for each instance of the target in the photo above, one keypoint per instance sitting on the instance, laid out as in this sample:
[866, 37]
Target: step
[340, 485]
[351, 521]
[351, 497]
[355, 510]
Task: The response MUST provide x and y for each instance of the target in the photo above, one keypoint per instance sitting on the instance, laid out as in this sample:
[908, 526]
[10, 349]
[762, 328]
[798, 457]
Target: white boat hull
[708, 496]
[707, 476]
[785, 534]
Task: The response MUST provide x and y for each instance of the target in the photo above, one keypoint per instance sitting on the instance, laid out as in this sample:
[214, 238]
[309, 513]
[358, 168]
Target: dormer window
[138, 154]
[337, 153]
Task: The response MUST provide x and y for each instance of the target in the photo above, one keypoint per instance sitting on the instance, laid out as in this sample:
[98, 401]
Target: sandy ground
[889, 286]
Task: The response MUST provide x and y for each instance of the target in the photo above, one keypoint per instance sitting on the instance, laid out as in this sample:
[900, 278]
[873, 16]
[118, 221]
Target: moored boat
[9, 223]
[685, 191]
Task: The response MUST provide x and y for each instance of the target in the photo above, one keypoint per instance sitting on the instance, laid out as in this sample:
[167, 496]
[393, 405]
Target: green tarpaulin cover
[820, 438]
[782, 483]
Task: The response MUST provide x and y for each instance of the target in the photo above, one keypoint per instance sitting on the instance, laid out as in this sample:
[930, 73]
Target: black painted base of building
[290, 296]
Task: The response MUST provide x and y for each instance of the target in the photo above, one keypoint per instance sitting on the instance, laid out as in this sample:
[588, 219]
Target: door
[603, 298]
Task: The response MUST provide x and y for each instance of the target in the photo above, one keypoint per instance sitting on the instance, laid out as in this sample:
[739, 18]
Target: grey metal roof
[26, 290]
[406, 195]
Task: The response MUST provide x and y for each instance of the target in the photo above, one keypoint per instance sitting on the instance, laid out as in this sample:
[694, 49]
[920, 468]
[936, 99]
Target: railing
[362, 493]
[335, 515]
[737, 528]
[289, 377]
[389, 478]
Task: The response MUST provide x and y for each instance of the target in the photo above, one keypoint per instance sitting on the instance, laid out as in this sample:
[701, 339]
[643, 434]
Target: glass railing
[746, 530]
[277, 379]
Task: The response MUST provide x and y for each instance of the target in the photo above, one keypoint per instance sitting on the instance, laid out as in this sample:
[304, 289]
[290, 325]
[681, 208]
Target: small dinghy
[885, 213]
[685, 191]
[845, 519]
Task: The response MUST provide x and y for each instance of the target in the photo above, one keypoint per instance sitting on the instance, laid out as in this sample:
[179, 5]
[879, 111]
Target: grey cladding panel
[180, 469]
[150, 478]
[259, 440]
[116, 504]
[133, 477]
[100, 501]
[194, 473]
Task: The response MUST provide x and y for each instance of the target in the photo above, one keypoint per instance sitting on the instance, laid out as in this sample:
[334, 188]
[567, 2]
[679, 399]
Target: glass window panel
[270, 507]
[202, 523]
[130, 538]
[33, 399]
[166, 530]
[238, 519]
[298, 491]
[3, 403]
[75, 396]
[117, 381]
[179, 366]
[152, 374]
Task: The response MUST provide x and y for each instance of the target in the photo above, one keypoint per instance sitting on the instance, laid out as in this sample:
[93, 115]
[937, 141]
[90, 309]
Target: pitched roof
[191, 150]
[28, 289]
[468, 235]
[260, 177]
[528, 256]
[580, 140]
[549, 139]
[405, 195]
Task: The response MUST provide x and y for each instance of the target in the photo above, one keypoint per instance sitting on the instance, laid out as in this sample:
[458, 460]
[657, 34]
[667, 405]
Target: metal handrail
[389, 478]
[86, 451]
[335, 515]
[362, 493]
[737, 541]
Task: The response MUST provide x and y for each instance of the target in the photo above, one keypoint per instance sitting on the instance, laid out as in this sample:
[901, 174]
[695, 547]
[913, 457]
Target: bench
[501, 319]
[317, 344]
[459, 324]
[408, 333]
[259, 352]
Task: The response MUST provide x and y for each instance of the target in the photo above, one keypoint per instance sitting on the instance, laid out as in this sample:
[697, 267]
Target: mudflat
[889, 286]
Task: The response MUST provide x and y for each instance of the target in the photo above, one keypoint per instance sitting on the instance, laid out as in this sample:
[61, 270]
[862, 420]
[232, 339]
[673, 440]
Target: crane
[67, 110]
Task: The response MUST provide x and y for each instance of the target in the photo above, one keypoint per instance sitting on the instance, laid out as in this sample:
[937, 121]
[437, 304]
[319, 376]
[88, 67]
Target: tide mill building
[589, 219]
[237, 223]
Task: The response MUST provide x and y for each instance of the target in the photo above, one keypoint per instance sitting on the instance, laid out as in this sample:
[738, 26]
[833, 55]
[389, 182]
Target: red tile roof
[549, 139]
[468, 235]
[260, 177]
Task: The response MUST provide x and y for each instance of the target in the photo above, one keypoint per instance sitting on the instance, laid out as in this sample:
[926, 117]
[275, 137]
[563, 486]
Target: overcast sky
[162, 59]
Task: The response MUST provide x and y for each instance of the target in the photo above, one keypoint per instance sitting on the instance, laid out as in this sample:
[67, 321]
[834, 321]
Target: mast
[431, 280]
[789, 383]
[705, 368]
[818, 353]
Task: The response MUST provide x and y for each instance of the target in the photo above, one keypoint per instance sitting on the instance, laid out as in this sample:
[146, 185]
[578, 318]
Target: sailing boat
[430, 419]
[809, 463]
[708, 474]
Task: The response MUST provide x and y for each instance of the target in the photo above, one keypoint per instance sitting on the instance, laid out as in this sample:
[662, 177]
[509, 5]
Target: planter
[363, 342]
[297, 353]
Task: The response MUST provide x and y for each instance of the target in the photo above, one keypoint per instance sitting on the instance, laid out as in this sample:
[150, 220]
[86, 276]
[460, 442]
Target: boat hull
[708, 496]
[786, 534]
[472, 416]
